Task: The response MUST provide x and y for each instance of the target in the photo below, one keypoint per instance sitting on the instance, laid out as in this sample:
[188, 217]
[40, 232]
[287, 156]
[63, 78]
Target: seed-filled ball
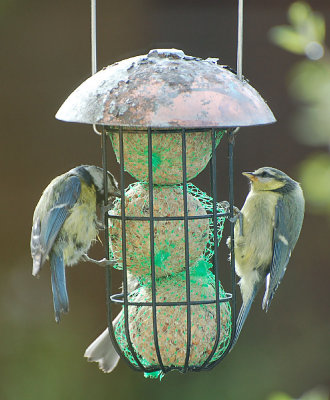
[172, 323]
[166, 154]
[169, 236]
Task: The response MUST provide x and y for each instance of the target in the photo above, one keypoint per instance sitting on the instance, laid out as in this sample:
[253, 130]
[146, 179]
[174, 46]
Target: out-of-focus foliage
[306, 33]
[315, 394]
[315, 179]
[279, 396]
[309, 83]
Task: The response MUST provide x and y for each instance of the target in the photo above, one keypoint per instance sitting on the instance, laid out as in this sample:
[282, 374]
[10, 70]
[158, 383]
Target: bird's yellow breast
[80, 227]
[253, 249]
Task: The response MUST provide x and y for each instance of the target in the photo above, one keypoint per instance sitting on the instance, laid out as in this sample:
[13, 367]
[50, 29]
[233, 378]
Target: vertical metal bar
[123, 232]
[231, 143]
[104, 216]
[106, 240]
[186, 238]
[240, 40]
[93, 37]
[213, 172]
[152, 250]
[94, 46]
[105, 169]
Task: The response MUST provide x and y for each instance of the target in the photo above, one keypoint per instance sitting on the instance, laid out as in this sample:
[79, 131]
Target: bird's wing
[282, 247]
[44, 233]
[36, 248]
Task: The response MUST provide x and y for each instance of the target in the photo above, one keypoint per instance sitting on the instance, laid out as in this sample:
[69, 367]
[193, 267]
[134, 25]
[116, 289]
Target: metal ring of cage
[122, 298]
[117, 298]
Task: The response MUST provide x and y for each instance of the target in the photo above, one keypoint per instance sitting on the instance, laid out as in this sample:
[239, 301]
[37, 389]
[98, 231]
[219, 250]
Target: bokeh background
[45, 54]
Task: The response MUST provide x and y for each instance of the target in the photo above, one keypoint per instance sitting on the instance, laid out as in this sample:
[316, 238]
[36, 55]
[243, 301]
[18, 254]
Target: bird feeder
[165, 113]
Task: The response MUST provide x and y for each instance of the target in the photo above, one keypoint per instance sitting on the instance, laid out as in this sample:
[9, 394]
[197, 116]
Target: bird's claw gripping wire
[238, 216]
[102, 263]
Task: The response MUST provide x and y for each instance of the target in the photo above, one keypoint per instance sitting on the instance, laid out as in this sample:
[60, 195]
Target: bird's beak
[250, 175]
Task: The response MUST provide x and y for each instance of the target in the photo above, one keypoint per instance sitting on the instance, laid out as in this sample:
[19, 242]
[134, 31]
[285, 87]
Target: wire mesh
[181, 317]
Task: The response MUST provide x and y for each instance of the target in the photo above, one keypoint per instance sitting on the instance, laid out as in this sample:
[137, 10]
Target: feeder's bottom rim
[190, 368]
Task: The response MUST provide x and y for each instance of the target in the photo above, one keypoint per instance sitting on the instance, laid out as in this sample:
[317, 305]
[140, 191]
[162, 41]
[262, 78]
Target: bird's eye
[264, 174]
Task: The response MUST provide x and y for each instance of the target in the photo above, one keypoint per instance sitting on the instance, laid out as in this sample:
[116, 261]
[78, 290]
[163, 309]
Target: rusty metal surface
[166, 89]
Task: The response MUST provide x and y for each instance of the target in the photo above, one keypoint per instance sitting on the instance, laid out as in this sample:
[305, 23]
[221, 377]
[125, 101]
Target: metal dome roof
[166, 89]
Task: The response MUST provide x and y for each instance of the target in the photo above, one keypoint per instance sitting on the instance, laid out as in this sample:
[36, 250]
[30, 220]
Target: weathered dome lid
[166, 89]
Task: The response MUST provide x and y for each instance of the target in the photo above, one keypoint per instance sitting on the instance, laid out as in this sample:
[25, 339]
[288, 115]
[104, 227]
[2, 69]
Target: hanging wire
[240, 40]
[239, 61]
[94, 47]
[93, 37]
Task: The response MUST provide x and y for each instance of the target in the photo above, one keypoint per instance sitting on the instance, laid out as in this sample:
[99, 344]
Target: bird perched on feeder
[65, 224]
[272, 217]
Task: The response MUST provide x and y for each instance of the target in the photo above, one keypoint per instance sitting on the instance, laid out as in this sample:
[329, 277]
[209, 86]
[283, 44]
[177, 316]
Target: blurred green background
[45, 48]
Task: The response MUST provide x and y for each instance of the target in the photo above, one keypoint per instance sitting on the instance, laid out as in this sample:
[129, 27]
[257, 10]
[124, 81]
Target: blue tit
[65, 224]
[101, 350]
[272, 217]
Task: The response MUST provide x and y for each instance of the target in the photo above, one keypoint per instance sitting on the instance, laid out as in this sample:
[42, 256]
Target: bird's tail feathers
[272, 283]
[102, 350]
[60, 295]
[243, 313]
